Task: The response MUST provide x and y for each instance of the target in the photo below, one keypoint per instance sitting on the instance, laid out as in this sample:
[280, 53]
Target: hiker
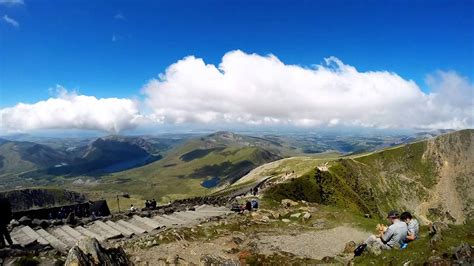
[5, 218]
[254, 204]
[147, 204]
[255, 191]
[392, 237]
[248, 206]
[132, 209]
[412, 224]
[153, 204]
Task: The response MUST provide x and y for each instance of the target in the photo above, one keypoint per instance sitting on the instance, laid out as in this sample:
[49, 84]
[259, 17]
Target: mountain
[106, 155]
[194, 167]
[21, 156]
[433, 178]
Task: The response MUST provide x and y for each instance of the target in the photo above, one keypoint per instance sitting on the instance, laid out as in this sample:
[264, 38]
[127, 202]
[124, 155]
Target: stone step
[174, 219]
[137, 230]
[32, 234]
[21, 238]
[89, 233]
[165, 221]
[140, 224]
[63, 236]
[73, 233]
[123, 230]
[53, 241]
[188, 217]
[94, 228]
[111, 232]
[150, 222]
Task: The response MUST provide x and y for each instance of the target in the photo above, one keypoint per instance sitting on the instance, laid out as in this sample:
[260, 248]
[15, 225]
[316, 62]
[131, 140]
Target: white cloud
[11, 2]
[68, 110]
[254, 89]
[11, 21]
[119, 16]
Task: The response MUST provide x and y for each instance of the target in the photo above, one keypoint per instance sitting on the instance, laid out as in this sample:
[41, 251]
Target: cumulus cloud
[68, 110]
[11, 2]
[262, 90]
[11, 21]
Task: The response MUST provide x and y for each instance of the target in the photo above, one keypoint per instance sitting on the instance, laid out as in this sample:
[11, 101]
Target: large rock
[288, 203]
[88, 251]
[25, 220]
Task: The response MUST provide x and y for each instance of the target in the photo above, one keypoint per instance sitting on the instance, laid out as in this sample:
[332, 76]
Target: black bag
[359, 250]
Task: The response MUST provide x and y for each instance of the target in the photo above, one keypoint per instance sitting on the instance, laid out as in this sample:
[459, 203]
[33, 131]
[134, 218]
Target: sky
[115, 66]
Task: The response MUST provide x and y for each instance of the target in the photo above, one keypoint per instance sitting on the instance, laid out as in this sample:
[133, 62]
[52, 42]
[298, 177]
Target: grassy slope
[396, 178]
[172, 177]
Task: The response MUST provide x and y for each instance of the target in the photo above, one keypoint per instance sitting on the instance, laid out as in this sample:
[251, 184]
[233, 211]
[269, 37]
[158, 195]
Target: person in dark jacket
[5, 218]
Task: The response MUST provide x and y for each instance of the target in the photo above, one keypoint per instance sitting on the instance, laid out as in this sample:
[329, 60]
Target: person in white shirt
[413, 226]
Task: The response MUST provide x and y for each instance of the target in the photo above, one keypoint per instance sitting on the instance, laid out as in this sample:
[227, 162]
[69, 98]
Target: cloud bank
[249, 89]
[68, 110]
[262, 90]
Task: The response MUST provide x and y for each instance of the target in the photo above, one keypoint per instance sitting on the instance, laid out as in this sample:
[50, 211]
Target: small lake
[210, 183]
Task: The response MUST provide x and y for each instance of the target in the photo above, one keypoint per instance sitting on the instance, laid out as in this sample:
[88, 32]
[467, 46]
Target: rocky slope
[432, 178]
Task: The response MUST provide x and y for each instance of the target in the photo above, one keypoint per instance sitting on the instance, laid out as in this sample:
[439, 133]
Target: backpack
[359, 250]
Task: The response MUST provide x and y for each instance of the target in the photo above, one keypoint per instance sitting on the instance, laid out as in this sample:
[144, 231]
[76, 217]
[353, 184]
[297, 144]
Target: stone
[350, 247]
[88, 251]
[288, 203]
[286, 220]
[42, 223]
[367, 215]
[25, 220]
[319, 224]
[464, 254]
[295, 215]
[306, 216]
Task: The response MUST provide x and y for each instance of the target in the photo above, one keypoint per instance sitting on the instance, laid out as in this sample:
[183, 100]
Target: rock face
[89, 252]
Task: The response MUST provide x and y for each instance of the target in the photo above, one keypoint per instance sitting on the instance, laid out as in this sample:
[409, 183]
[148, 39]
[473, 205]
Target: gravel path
[315, 245]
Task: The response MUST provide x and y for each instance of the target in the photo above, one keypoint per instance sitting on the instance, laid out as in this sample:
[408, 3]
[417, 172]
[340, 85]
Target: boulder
[350, 247]
[295, 215]
[288, 203]
[88, 251]
[306, 216]
[286, 220]
[41, 223]
[25, 220]
[464, 254]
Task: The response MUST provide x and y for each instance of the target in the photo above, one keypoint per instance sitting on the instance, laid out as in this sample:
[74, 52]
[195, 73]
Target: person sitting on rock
[5, 218]
[393, 237]
[132, 208]
[412, 224]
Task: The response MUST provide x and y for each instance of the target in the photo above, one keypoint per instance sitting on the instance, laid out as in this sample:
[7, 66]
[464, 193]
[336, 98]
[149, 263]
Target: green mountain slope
[432, 178]
[193, 168]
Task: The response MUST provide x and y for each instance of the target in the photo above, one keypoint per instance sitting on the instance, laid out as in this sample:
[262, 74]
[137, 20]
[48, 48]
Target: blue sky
[113, 48]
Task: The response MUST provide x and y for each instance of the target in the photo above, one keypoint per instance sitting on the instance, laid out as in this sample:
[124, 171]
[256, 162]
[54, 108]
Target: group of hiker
[402, 230]
[150, 204]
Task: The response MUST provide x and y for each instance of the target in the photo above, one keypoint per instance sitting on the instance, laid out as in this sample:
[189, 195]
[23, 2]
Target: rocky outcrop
[26, 199]
[88, 251]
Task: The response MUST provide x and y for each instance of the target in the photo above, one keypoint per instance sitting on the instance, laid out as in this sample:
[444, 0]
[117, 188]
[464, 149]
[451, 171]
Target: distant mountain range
[215, 159]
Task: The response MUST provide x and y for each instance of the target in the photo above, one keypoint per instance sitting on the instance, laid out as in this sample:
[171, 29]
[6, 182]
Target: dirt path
[310, 244]
[315, 245]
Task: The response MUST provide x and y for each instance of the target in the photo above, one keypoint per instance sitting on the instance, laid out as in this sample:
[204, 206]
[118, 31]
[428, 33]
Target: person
[132, 209]
[392, 237]
[412, 224]
[147, 204]
[153, 204]
[5, 218]
[248, 206]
